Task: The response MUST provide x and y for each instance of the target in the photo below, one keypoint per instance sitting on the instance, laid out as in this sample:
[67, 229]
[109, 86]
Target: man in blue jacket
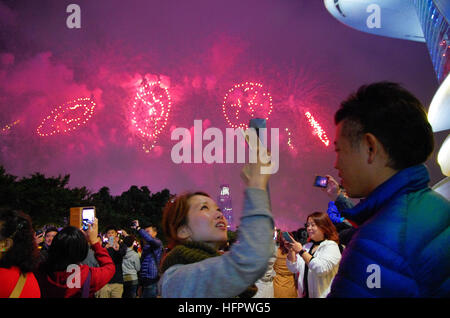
[401, 245]
[152, 251]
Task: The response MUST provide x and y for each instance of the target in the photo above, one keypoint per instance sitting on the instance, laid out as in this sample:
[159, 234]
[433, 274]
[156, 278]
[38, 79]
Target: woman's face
[314, 232]
[205, 222]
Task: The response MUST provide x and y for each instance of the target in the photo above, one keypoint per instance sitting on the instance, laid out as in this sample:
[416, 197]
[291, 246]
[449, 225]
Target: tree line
[48, 201]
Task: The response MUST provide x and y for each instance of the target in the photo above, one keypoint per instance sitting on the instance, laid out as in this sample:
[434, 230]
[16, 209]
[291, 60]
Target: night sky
[199, 49]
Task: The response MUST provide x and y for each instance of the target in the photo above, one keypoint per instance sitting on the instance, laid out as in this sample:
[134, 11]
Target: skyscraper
[225, 204]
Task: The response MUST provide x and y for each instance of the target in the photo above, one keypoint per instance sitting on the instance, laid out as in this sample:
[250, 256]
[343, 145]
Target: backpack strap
[19, 286]
[86, 285]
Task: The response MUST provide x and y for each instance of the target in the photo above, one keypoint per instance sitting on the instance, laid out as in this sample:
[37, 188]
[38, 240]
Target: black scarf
[305, 275]
[193, 252]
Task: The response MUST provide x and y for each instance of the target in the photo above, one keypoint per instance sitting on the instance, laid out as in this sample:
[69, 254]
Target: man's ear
[184, 232]
[372, 147]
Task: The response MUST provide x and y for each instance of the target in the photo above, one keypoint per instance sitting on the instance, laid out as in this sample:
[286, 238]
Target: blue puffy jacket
[401, 247]
[151, 257]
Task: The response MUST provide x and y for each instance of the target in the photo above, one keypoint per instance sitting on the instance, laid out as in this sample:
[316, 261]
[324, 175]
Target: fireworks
[317, 129]
[67, 117]
[150, 112]
[8, 127]
[289, 142]
[245, 101]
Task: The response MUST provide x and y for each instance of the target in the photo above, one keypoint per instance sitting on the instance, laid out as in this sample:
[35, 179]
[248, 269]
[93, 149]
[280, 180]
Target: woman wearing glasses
[317, 262]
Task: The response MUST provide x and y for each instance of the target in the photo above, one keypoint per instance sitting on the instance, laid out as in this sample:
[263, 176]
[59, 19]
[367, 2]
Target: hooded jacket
[401, 247]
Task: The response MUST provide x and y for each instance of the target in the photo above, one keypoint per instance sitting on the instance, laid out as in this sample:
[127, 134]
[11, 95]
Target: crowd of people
[400, 227]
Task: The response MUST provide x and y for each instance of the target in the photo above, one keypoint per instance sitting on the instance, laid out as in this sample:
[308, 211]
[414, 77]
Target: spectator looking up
[196, 229]
[152, 250]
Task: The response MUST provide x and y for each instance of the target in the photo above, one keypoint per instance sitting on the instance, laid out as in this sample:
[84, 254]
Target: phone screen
[287, 237]
[321, 182]
[88, 214]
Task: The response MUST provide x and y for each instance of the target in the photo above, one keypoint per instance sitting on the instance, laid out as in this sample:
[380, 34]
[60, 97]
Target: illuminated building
[225, 204]
[417, 20]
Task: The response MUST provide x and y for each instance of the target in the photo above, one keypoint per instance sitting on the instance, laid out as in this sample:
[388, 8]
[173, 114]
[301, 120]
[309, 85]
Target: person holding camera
[152, 251]
[197, 229]
[49, 234]
[116, 250]
[63, 276]
[339, 203]
[317, 262]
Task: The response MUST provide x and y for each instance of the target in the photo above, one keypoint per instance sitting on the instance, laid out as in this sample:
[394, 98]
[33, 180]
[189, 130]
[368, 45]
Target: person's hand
[92, 233]
[116, 245]
[251, 172]
[135, 224]
[294, 246]
[124, 233]
[39, 238]
[332, 189]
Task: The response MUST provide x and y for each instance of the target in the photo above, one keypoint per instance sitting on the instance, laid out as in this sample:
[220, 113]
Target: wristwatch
[301, 252]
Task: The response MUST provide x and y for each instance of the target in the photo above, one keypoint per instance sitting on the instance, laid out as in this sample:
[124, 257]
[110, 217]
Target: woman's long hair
[323, 222]
[24, 252]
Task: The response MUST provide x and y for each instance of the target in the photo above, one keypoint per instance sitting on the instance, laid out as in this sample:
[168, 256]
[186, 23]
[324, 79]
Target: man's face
[351, 162]
[151, 231]
[49, 238]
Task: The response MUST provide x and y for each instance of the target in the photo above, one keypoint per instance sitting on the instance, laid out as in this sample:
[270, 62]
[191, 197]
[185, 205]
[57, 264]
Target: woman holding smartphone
[196, 230]
[317, 262]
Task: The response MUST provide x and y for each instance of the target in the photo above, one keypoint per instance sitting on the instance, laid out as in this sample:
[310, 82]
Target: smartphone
[287, 237]
[111, 240]
[87, 216]
[321, 182]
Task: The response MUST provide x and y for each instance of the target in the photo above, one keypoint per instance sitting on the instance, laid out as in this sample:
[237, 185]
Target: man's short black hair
[129, 240]
[51, 229]
[394, 116]
[111, 227]
[147, 225]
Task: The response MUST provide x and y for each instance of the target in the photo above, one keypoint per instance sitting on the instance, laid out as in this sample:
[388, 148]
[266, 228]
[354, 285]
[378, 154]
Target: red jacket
[9, 278]
[56, 286]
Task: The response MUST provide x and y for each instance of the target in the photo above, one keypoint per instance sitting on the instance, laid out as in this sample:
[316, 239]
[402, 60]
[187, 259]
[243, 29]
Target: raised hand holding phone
[92, 232]
[287, 237]
[252, 173]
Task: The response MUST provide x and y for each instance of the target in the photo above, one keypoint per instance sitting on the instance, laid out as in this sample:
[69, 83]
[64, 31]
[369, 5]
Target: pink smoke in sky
[199, 50]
